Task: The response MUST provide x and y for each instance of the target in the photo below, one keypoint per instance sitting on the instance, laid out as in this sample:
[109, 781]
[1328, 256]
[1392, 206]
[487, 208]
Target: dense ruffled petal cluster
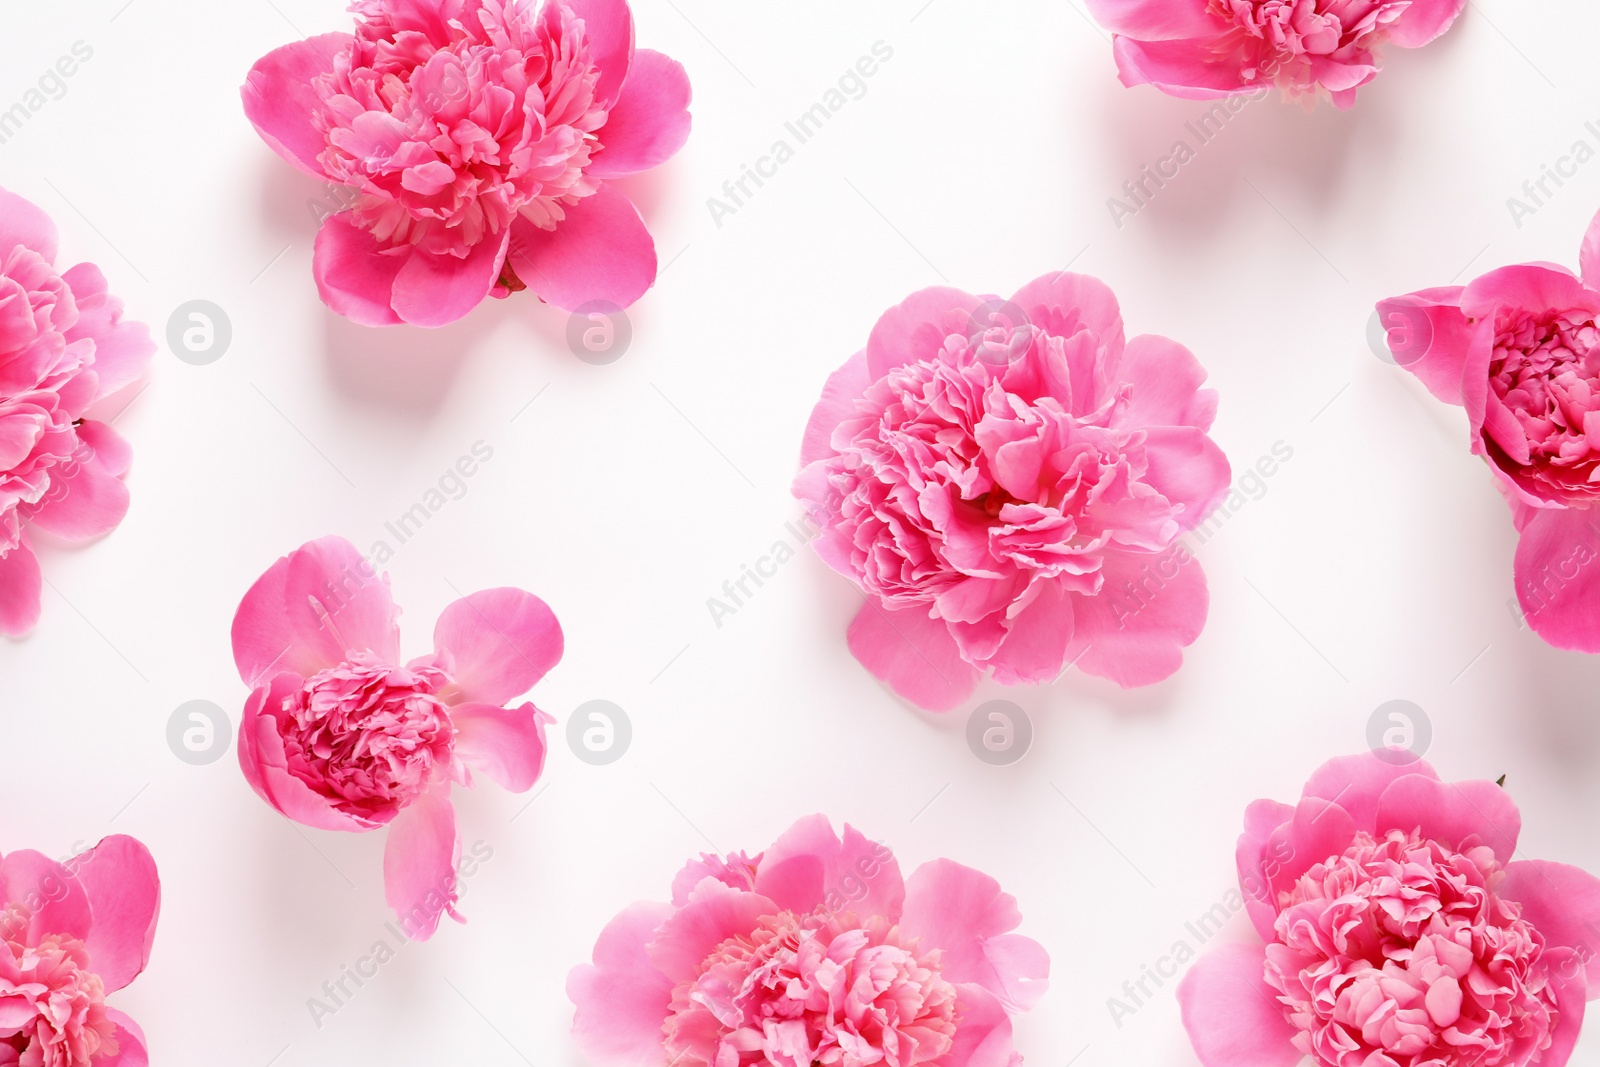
[1396, 931]
[476, 139]
[63, 348]
[340, 735]
[71, 934]
[1010, 493]
[1519, 350]
[814, 952]
[1209, 48]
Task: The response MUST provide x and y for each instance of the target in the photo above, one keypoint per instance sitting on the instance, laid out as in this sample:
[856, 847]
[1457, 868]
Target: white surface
[990, 143]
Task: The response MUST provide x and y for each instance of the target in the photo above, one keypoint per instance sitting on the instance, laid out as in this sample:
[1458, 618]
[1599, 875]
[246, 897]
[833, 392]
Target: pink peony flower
[477, 137]
[1518, 350]
[339, 735]
[1202, 49]
[1396, 931]
[814, 952]
[70, 935]
[63, 346]
[1007, 482]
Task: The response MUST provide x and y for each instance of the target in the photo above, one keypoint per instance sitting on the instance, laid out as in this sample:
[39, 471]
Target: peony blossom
[1201, 49]
[1518, 350]
[1006, 482]
[814, 952]
[71, 935]
[477, 138]
[63, 347]
[340, 735]
[1396, 931]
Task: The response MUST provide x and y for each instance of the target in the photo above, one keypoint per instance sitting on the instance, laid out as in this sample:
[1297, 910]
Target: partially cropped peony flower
[1519, 349]
[1006, 482]
[341, 735]
[63, 348]
[71, 935]
[1396, 930]
[477, 139]
[814, 952]
[1201, 49]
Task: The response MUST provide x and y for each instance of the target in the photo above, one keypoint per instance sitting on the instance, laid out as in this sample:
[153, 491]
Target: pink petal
[1187, 468]
[1258, 861]
[507, 744]
[48, 890]
[621, 998]
[649, 122]
[1558, 584]
[119, 875]
[1064, 303]
[23, 223]
[1423, 21]
[840, 394]
[436, 290]
[1155, 20]
[1318, 831]
[86, 500]
[131, 1046]
[983, 1037]
[1456, 814]
[265, 766]
[600, 252]
[608, 27]
[1563, 904]
[1356, 783]
[1166, 380]
[419, 862]
[498, 644]
[122, 349]
[1566, 972]
[1230, 1013]
[20, 586]
[915, 328]
[355, 276]
[912, 654]
[713, 914]
[1191, 69]
[1035, 649]
[1429, 336]
[1137, 637]
[111, 450]
[1589, 254]
[963, 914]
[280, 97]
[311, 609]
[1534, 287]
[810, 865]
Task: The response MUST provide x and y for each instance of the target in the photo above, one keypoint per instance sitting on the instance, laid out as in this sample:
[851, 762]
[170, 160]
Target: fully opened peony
[340, 735]
[1202, 49]
[814, 952]
[1396, 930]
[1006, 482]
[477, 138]
[1519, 349]
[70, 936]
[63, 348]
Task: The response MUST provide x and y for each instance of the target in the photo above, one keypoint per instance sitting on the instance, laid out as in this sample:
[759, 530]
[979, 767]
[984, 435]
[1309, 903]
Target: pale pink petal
[1190, 69]
[111, 451]
[131, 1045]
[983, 1038]
[1230, 1012]
[1258, 862]
[621, 998]
[1356, 783]
[311, 609]
[600, 252]
[436, 290]
[1429, 336]
[1188, 469]
[265, 765]
[355, 276]
[1150, 609]
[49, 891]
[1318, 831]
[507, 744]
[20, 586]
[840, 396]
[419, 862]
[1455, 814]
[1424, 20]
[963, 913]
[608, 26]
[1156, 20]
[1558, 583]
[1166, 380]
[1064, 303]
[119, 875]
[915, 328]
[1572, 991]
[23, 223]
[912, 654]
[1563, 904]
[714, 913]
[1035, 649]
[85, 500]
[1589, 254]
[122, 349]
[811, 865]
[650, 120]
[280, 97]
[498, 643]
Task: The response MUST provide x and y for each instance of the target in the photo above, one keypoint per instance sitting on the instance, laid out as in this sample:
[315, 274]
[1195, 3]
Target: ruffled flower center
[450, 125]
[804, 991]
[1399, 953]
[369, 736]
[52, 1007]
[1545, 370]
[1286, 32]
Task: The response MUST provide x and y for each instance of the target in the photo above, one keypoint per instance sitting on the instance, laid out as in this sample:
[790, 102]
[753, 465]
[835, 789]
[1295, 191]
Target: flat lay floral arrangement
[800, 576]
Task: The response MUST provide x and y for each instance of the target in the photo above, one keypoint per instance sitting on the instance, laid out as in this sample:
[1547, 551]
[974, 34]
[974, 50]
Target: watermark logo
[1399, 732]
[199, 332]
[999, 733]
[199, 733]
[599, 732]
[599, 332]
[995, 332]
[1401, 335]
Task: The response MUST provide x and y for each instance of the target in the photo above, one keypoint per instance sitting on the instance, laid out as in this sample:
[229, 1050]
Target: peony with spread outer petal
[1007, 482]
[816, 951]
[339, 734]
[477, 139]
[1396, 930]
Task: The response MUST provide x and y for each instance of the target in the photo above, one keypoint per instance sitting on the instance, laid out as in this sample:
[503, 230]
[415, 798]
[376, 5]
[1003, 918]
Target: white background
[1377, 565]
